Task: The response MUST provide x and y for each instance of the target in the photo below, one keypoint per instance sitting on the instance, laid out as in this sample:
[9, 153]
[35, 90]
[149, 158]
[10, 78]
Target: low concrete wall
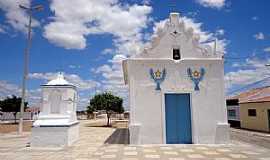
[54, 136]
[120, 123]
[5, 116]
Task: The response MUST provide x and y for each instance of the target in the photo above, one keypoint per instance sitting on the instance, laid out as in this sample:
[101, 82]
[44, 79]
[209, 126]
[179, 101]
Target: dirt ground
[12, 127]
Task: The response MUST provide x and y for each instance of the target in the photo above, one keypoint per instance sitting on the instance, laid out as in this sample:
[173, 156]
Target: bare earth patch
[12, 127]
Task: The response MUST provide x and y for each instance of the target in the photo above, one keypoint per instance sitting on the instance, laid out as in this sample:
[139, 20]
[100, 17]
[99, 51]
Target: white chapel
[176, 90]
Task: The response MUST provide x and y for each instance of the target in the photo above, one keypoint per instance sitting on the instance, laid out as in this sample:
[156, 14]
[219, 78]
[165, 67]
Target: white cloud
[250, 71]
[112, 72]
[2, 30]
[205, 36]
[16, 16]
[255, 18]
[220, 32]
[193, 14]
[8, 89]
[267, 49]
[33, 96]
[75, 20]
[71, 26]
[74, 66]
[72, 78]
[107, 51]
[147, 2]
[117, 59]
[259, 36]
[125, 24]
[85, 87]
[103, 69]
[212, 3]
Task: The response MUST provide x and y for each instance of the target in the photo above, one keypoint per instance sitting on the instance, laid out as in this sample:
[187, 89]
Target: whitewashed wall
[147, 104]
[57, 124]
[67, 102]
[10, 116]
[147, 111]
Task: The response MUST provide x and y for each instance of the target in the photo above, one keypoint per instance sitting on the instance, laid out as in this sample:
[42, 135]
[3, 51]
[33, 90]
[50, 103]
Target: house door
[178, 119]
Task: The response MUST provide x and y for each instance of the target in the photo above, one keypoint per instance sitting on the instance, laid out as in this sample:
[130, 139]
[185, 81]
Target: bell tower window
[176, 54]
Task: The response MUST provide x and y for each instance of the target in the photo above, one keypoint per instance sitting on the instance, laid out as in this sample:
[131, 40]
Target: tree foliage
[12, 104]
[108, 102]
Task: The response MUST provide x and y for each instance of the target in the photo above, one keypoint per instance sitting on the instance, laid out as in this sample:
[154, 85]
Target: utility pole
[29, 11]
[215, 46]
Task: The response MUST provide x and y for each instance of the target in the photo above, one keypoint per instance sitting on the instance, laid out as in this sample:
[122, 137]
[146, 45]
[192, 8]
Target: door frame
[163, 114]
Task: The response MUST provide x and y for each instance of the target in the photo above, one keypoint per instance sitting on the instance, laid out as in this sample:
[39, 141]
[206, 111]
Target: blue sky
[87, 39]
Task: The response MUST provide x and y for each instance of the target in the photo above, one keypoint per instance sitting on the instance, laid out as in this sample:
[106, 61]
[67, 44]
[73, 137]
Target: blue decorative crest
[158, 77]
[196, 77]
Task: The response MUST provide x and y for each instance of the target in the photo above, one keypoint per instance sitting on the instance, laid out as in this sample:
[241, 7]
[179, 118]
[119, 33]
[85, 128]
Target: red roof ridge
[261, 94]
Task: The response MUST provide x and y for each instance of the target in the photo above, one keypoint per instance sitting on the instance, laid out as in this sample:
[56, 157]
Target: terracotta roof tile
[254, 95]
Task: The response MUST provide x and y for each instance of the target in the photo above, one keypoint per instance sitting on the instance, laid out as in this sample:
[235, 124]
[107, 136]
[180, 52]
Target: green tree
[90, 110]
[12, 104]
[108, 102]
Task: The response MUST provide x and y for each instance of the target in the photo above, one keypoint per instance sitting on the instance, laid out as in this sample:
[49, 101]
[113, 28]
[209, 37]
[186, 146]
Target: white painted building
[176, 90]
[57, 124]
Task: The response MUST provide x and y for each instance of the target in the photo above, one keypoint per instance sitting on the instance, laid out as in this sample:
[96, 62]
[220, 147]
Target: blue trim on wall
[158, 77]
[196, 77]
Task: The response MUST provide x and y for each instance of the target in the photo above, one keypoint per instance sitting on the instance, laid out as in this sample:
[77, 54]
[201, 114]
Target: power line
[246, 57]
[248, 85]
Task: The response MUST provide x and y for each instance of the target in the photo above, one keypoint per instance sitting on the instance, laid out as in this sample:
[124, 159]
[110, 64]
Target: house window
[176, 54]
[231, 113]
[252, 112]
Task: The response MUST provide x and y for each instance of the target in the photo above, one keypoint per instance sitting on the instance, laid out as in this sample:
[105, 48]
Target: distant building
[254, 109]
[233, 111]
[34, 111]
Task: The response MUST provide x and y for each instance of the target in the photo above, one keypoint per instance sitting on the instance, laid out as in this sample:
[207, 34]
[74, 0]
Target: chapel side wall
[145, 107]
[208, 106]
[149, 115]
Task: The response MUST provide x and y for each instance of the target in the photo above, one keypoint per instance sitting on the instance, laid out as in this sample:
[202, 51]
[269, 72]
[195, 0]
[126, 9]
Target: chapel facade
[176, 89]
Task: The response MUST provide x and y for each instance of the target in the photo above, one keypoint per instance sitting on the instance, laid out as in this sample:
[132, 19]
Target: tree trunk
[108, 119]
[15, 117]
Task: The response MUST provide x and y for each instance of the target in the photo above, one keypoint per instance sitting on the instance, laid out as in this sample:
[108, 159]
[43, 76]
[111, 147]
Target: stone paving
[253, 137]
[94, 144]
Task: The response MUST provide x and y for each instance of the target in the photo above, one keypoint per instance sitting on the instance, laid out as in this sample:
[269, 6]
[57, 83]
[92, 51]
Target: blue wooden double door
[178, 119]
